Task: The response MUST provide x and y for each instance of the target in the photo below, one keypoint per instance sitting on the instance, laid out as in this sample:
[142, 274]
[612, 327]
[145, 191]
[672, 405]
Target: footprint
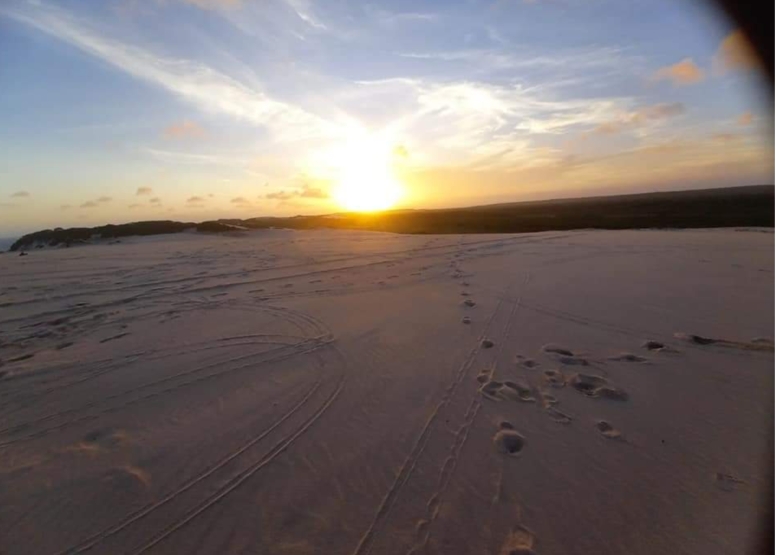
[748, 346]
[520, 541]
[572, 360]
[558, 416]
[469, 303]
[517, 391]
[483, 376]
[466, 320]
[597, 386]
[555, 378]
[527, 362]
[652, 345]
[727, 482]
[490, 389]
[548, 399]
[487, 344]
[628, 357]
[607, 430]
[128, 478]
[558, 350]
[106, 438]
[508, 441]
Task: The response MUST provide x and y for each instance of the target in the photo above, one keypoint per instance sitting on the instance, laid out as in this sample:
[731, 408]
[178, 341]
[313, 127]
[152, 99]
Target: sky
[127, 110]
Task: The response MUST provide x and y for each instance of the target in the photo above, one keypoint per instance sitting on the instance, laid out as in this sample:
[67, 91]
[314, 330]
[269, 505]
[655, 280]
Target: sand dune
[300, 392]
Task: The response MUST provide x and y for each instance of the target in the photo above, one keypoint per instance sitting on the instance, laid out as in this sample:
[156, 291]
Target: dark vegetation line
[729, 207]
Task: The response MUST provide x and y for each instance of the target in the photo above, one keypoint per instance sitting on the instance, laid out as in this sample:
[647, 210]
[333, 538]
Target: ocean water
[6, 242]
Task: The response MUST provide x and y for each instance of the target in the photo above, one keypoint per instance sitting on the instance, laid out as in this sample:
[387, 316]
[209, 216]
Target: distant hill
[727, 207]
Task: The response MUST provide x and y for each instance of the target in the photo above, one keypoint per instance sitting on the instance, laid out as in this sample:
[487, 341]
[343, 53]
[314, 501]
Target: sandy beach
[299, 392]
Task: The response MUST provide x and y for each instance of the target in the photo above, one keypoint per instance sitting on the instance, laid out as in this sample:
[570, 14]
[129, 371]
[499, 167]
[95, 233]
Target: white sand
[317, 392]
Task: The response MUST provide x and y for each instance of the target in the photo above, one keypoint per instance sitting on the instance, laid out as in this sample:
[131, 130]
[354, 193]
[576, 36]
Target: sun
[365, 179]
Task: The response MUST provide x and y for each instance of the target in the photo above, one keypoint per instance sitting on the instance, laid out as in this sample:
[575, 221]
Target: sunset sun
[365, 176]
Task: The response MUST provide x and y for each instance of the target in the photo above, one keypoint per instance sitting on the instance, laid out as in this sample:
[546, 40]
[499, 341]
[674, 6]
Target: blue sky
[124, 110]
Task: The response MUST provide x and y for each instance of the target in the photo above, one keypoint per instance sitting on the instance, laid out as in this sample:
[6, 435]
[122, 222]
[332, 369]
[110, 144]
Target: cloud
[281, 195]
[104, 199]
[65, 207]
[303, 10]
[20, 194]
[306, 191]
[144, 191]
[196, 83]
[640, 117]
[240, 201]
[735, 52]
[685, 72]
[155, 200]
[313, 192]
[134, 205]
[745, 119]
[89, 204]
[173, 157]
[184, 130]
[195, 202]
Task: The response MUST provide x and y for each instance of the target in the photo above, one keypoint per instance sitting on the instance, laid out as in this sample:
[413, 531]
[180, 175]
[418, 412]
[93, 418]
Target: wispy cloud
[641, 116]
[745, 119]
[134, 205]
[155, 200]
[104, 199]
[65, 207]
[89, 204]
[575, 61]
[196, 83]
[303, 9]
[685, 72]
[144, 191]
[176, 157]
[20, 194]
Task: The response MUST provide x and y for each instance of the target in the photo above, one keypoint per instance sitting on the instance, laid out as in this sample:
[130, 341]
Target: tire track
[451, 462]
[365, 543]
[315, 344]
[241, 477]
[295, 318]
[95, 539]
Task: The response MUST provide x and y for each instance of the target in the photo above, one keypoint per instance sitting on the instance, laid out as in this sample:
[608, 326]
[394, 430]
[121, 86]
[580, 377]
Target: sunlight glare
[366, 180]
